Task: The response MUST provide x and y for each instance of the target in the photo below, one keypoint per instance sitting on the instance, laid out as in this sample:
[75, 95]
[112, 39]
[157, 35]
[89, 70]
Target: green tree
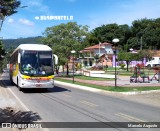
[2, 51]
[126, 56]
[106, 33]
[142, 34]
[66, 37]
[132, 42]
[8, 8]
[145, 33]
[6, 57]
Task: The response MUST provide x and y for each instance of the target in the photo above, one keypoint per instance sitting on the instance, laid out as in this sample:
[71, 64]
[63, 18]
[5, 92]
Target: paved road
[66, 104]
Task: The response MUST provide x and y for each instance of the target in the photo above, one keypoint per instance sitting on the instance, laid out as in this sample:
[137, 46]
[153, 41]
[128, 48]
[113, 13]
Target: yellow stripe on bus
[15, 72]
[41, 78]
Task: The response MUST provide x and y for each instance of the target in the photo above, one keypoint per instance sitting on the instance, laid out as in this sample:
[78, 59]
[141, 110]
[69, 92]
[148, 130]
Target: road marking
[88, 103]
[22, 104]
[128, 117]
[25, 107]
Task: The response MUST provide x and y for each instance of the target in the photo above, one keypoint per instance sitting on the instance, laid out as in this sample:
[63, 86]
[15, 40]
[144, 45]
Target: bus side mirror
[55, 59]
[19, 58]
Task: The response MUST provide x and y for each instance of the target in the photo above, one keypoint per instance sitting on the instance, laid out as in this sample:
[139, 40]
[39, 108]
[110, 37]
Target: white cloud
[10, 20]
[26, 22]
[19, 30]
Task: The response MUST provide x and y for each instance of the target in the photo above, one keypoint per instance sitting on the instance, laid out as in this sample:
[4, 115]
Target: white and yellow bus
[32, 66]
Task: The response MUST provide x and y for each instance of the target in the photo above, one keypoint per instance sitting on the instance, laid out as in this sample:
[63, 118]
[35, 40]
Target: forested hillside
[13, 43]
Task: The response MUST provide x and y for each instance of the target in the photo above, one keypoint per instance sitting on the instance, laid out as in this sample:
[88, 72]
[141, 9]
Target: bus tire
[12, 83]
[19, 88]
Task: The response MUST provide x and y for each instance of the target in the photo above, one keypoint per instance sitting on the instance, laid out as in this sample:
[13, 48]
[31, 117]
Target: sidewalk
[7, 106]
[11, 110]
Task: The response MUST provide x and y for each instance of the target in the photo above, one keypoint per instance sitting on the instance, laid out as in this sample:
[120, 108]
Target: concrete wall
[132, 63]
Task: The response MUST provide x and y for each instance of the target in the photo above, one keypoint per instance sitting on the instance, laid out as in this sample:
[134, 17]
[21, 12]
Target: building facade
[100, 54]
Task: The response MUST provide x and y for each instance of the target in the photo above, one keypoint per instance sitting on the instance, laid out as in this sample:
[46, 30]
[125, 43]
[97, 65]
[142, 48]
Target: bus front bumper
[36, 84]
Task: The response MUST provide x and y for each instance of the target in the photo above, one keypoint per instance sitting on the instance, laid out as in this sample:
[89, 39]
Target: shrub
[97, 67]
[122, 65]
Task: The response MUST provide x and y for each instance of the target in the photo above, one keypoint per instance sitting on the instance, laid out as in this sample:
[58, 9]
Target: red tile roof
[85, 51]
[97, 46]
[92, 47]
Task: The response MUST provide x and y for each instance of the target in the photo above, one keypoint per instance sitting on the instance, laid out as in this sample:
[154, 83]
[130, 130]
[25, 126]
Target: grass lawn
[88, 78]
[112, 88]
[93, 78]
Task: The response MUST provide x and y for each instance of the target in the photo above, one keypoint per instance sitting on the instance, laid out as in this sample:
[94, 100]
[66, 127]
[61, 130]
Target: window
[85, 63]
[90, 63]
[36, 62]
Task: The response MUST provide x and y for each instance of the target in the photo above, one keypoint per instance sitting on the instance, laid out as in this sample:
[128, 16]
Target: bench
[140, 75]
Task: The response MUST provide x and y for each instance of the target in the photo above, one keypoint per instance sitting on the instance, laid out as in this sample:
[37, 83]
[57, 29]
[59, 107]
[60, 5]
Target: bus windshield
[36, 63]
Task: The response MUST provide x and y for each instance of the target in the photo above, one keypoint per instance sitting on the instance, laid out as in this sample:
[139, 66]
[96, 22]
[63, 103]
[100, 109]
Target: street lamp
[136, 68]
[115, 41]
[131, 49]
[73, 52]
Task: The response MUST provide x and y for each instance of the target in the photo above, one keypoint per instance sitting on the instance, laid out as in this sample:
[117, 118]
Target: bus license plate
[38, 84]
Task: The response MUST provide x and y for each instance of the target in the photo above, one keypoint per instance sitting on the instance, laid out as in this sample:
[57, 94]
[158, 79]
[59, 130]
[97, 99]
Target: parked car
[155, 61]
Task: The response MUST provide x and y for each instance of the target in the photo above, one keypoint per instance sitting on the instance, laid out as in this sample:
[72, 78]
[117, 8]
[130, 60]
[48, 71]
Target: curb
[87, 88]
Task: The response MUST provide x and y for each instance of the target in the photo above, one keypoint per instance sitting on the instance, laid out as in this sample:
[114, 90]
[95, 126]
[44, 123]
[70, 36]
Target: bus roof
[35, 47]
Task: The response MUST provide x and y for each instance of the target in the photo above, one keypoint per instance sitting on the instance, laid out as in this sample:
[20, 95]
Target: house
[103, 54]
[90, 55]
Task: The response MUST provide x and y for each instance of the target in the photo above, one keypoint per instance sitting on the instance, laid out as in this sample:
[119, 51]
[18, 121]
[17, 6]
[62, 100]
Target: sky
[39, 14]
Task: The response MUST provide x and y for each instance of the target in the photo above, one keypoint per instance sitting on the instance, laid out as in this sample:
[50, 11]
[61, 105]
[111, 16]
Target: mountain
[13, 43]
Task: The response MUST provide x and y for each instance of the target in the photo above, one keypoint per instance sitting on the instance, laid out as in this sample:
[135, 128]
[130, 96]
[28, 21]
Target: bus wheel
[12, 83]
[19, 88]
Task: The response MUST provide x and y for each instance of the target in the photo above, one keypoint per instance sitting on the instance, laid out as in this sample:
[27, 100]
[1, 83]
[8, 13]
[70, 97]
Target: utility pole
[141, 43]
